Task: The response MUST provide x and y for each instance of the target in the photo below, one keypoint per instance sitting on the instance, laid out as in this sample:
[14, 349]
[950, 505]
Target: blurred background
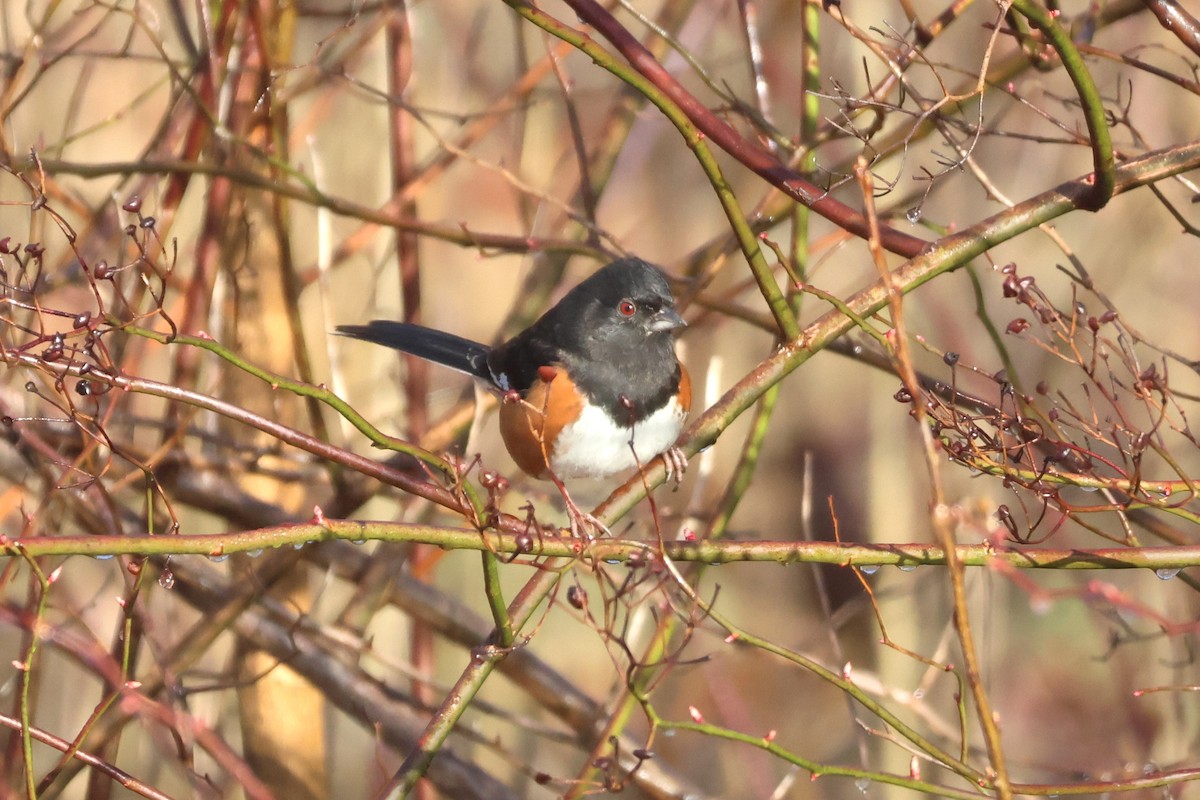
[258, 173]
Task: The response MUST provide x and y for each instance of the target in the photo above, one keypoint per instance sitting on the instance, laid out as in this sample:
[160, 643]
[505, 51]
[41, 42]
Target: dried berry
[1018, 325]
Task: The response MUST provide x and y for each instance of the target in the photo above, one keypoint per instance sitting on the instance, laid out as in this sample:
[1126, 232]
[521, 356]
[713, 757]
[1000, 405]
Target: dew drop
[1166, 573]
[869, 569]
[254, 553]
[913, 215]
[166, 579]
[217, 559]
[906, 567]
[862, 784]
[104, 556]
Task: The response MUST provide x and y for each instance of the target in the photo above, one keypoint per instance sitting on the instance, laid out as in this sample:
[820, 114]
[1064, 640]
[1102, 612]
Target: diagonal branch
[728, 139]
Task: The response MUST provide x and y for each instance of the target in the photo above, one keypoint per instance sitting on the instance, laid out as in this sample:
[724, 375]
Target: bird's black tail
[442, 348]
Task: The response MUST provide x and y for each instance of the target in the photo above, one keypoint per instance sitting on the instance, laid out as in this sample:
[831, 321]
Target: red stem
[728, 139]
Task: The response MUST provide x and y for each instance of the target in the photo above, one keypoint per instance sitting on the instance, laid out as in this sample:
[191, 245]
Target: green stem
[43, 589]
[1103, 162]
[843, 683]
[767, 285]
[484, 660]
[325, 396]
[495, 599]
[781, 551]
[817, 769]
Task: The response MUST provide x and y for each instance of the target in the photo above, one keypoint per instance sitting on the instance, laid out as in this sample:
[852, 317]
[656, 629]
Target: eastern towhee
[590, 384]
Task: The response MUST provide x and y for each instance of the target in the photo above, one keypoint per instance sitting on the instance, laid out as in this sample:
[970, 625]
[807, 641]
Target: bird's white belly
[594, 446]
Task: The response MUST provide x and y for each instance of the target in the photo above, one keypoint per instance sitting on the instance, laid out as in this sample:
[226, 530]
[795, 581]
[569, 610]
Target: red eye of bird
[627, 308]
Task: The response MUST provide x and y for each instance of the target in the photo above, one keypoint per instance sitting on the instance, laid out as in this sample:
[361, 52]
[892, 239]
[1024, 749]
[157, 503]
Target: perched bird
[591, 389]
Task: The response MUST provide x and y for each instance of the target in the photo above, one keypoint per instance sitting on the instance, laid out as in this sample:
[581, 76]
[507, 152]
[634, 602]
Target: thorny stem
[1089, 100]
[71, 749]
[720, 132]
[484, 660]
[779, 551]
[26, 665]
[950, 253]
[943, 523]
[695, 138]
[768, 376]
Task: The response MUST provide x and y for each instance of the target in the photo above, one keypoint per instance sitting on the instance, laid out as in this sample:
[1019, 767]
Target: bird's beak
[666, 319]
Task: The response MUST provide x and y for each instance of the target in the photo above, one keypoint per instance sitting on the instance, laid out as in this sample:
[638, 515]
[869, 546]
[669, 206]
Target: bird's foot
[676, 464]
[583, 525]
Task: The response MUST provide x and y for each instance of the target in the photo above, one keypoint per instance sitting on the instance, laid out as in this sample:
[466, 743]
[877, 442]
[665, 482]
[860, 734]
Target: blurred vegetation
[938, 263]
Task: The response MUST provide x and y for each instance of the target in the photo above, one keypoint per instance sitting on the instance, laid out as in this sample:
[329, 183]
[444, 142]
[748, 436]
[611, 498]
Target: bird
[591, 389]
